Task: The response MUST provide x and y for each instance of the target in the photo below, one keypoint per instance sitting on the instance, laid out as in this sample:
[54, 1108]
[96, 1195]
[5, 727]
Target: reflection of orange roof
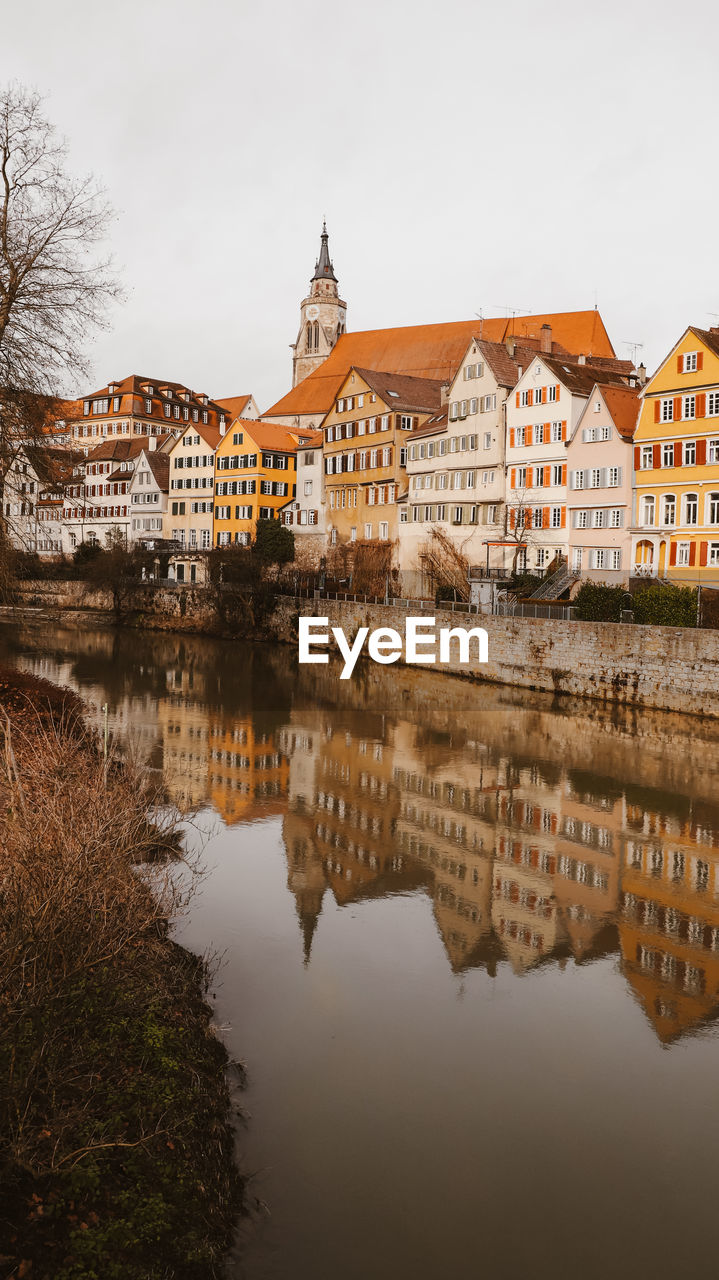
[623, 404]
[433, 351]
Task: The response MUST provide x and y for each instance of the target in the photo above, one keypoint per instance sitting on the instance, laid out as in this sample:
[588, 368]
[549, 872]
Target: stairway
[554, 587]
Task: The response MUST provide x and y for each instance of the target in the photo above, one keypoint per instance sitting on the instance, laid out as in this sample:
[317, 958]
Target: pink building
[599, 489]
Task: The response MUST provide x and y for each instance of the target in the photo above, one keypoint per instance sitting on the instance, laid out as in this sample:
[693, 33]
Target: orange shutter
[511, 437]
[693, 553]
[547, 476]
[544, 395]
[657, 410]
[564, 431]
[637, 457]
[677, 408]
[545, 517]
[701, 453]
[564, 474]
[677, 453]
[564, 517]
[517, 400]
[513, 480]
[680, 364]
[703, 553]
[558, 390]
[673, 553]
[701, 405]
[656, 456]
[700, 360]
[511, 519]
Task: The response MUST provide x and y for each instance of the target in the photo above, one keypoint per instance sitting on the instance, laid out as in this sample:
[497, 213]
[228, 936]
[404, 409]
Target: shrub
[666, 606]
[274, 542]
[596, 602]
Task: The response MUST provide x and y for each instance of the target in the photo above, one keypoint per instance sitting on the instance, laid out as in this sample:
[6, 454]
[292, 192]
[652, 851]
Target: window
[646, 460]
[538, 433]
[537, 518]
[539, 477]
[667, 455]
[599, 519]
[556, 432]
[556, 517]
[712, 404]
[669, 504]
[683, 553]
[648, 505]
[557, 474]
[580, 519]
[691, 508]
[384, 530]
[690, 362]
[616, 559]
[616, 518]
[521, 477]
[541, 554]
[713, 508]
[595, 478]
[487, 440]
[552, 393]
[599, 558]
[524, 399]
[578, 479]
[688, 406]
[667, 411]
[368, 531]
[614, 477]
[713, 450]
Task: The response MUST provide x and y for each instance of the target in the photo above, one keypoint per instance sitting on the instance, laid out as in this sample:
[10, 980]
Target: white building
[599, 472]
[97, 499]
[148, 490]
[306, 514]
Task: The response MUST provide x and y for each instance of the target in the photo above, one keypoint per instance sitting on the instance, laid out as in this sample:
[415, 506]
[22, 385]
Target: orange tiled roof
[268, 435]
[235, 405]
[433, 351]
[623, 404]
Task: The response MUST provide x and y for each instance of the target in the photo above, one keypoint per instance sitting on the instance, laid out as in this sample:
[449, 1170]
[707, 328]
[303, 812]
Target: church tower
[323, 317]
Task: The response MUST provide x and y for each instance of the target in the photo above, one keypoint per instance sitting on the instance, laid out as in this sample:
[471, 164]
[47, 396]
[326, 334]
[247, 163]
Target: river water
[470, 945]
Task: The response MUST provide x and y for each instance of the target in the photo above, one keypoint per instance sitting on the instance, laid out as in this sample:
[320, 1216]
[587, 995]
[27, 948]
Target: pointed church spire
[323, 266]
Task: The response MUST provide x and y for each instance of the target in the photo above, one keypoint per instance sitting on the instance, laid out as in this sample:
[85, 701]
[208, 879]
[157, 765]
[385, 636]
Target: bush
[274, 542]
[596, 602]
[86, 552]
[523, 584]
[666, 606]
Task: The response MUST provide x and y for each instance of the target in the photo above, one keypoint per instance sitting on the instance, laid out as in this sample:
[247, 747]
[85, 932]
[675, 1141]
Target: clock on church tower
[323, 316]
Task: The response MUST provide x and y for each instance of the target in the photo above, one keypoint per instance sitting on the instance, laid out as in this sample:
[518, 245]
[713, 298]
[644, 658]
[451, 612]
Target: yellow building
[255, 476]
[365, 448]
[675, 523]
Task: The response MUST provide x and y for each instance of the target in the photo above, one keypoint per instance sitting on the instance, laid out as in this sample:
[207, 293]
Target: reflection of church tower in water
[323, 317]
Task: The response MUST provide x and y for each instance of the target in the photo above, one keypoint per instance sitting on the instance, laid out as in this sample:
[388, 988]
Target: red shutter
[680, 364]
[637, 457]
[693, 553]
[677, 453]
[673, 553]
[700, 409]
[677, 408]
[564, 517]
[701, 453]
[703, 553]
[700, 360]
[517, 400]
[511, 437]
[656, 456]
[657, 409]
[545, 517]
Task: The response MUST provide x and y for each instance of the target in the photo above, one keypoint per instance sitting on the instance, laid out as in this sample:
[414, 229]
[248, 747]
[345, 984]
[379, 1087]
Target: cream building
[599, 472]
[189, 516]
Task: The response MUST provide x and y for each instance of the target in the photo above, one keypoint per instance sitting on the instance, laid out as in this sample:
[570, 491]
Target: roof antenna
[481, 321]
[633, 347]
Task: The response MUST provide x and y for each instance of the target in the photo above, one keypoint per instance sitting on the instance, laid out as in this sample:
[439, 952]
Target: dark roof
[323, 266]
[438, 422]
[624, 405]
[161, 387]
[121, 450]
[710, 338]
[580, 378]
[400, 391]
[53, 466]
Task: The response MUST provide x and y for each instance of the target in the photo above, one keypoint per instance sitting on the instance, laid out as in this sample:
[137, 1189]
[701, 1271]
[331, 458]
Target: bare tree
[55, 285]
[518, 516]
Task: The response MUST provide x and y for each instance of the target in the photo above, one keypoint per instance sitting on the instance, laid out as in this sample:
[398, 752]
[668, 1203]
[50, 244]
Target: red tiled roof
[580, 378]
[623, 404]
[433, 351]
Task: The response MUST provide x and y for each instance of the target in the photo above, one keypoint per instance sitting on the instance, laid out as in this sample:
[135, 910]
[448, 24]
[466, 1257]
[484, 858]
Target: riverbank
[116, 1147]
[642, 667]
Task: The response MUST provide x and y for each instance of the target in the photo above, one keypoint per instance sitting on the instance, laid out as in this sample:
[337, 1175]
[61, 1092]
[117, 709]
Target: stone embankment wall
[669, 668]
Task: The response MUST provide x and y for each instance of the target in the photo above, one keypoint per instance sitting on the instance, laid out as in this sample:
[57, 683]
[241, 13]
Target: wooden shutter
[564, 518]
[680, 364]
[677, 453]
[511, 437]
[564, 431]
[547, 476]
[517, 399]
[701, 453]
[558, 390]
[564, 474]
[677, 408]
[545, 517]
[673, 553]
[700, 360]
[637, 457]
[544, 395]
[700, 408]
[703, 553]
[656, 456]
[513, 478]
[657, 409]
[693, 553]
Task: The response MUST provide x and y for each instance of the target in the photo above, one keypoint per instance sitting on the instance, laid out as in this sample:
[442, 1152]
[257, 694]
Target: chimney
[152, 444]
[642, 371]
[511, 346]
[444, 394]
[545, 339]
[581, 359]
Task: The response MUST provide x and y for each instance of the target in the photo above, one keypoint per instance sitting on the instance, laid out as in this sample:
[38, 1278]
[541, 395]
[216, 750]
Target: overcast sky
[468, 156]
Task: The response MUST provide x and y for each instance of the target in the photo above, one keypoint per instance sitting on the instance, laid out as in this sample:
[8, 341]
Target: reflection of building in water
[248, 772]
[669, 923]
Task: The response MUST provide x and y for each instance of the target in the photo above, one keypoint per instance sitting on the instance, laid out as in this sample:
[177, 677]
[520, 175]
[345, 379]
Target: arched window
[309, 337]
[713, 508]
[317, 335]
[669, 509]
[648, 508]
[691, 508]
